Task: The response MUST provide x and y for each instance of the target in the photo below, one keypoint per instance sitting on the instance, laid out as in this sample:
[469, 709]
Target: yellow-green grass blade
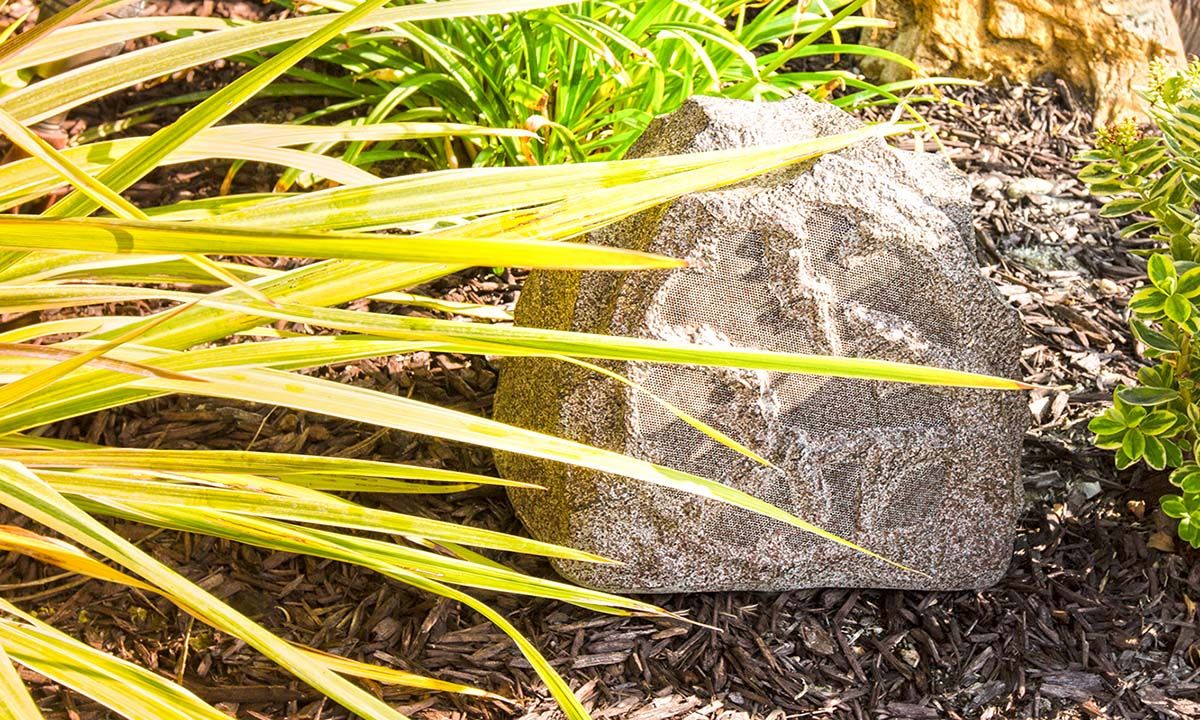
[111, 235]
[450, 194]
[292, 353]
[131, 691]
[302, 506]
[507, 340]
[100, 194]
[53, 551]
[215, 206]
[65, 326]
[391, 676]
[260, 142]
[290, 467]
[66, 355]
[389, 560]
[367, 552]
[558, 687]
[338, 281]
[16, 46]
[49, 296]
[25, 180]
[38, 148]
[698, 424]
[105, 267]
[490, 339]
[147, 156]
[315, 395]
[15, 700]
[76, 87]
[70, 558]
[295, 484]
[330, 545]
[278, 135]
[60, 43]
[463, 553]
[447, 193]
[27, 494]
[14, 25]
[450, 307]
[125, 688]
[87, 393]
[37, 381]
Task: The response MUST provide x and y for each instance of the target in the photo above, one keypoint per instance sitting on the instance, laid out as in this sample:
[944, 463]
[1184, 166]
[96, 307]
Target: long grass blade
[104, 235]
[35, 382]
[15, 700]
[27, 494]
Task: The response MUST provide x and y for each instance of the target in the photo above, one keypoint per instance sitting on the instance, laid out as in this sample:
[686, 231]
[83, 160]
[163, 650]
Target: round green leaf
[1157, 422]
[1189, 283]
[1190, 484]
[1152, 338]
[1105, 425]
[1178, 476]
[1172, 506]
[1162, 272]
[1174, 454]
[1187, 529]
[1109, 442]
[1147, 301]
[1153, 453]
[1178, 308]
[1147, 396]
[1121, 207]
[1134, 444]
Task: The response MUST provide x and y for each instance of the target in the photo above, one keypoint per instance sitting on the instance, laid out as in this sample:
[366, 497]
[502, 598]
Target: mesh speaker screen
[825, 436]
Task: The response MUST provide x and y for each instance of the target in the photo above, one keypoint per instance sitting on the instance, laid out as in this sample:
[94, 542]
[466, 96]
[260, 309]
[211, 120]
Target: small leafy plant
[1157, 178]
[586, 78]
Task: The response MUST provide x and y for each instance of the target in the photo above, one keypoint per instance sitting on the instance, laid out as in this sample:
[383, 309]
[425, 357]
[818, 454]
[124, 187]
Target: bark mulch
[1095, 617]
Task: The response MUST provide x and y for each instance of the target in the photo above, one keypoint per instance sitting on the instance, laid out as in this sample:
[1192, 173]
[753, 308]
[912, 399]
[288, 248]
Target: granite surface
[866, 252]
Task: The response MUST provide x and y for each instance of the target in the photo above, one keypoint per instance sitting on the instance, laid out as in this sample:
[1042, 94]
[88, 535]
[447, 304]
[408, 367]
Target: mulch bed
[1095, 617]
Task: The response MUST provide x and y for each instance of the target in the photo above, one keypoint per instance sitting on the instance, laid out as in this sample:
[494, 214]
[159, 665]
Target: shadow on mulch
[1095, 617]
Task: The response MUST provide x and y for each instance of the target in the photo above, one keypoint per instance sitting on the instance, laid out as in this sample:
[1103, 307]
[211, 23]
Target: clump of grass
[69, 257]
[587, 77]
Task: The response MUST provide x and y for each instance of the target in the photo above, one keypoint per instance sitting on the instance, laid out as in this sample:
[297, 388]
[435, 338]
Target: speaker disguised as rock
[866, 252]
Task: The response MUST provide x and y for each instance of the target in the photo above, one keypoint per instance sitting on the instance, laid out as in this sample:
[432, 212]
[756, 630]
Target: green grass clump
[586, 78]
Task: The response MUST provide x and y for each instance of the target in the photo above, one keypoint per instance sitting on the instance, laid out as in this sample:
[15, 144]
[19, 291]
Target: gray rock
[866, 252]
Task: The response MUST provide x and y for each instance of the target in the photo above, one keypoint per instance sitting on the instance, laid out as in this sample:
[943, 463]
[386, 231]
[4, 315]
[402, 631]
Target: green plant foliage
[1156, 179]
[585, 78]
[78, 362]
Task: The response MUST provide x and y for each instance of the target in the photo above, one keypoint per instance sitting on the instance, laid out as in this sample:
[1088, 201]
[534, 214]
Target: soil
[1095, 617]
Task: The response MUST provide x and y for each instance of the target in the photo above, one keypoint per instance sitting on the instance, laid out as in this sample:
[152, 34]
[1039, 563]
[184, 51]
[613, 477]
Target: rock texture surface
[866, 252]
[1101, 46]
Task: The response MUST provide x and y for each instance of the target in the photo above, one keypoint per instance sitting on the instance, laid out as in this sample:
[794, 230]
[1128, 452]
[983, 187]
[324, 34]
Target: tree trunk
[1101, 46]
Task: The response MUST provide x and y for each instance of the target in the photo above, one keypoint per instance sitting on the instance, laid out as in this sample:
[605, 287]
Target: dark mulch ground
[1094, 619]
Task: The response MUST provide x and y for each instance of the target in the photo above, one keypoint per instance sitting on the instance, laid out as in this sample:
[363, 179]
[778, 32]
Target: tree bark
[1103, 47]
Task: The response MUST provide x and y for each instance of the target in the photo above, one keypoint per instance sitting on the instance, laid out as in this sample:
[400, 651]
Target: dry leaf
[1162, 541]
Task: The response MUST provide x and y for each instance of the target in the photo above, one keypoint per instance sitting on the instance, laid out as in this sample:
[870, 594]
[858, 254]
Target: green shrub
[587, 77]
[1156, 178]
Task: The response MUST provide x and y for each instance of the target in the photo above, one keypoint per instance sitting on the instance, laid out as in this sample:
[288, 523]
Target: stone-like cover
[866, 252]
